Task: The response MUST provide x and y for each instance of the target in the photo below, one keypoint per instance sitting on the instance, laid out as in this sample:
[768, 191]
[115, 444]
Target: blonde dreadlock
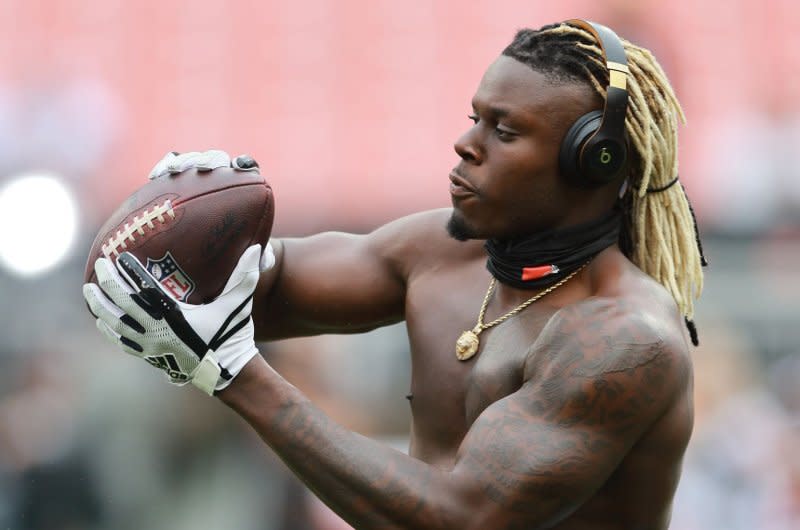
[659, 231]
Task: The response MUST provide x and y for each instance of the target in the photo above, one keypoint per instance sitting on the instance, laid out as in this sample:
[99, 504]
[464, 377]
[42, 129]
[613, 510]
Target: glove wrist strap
[206, 375]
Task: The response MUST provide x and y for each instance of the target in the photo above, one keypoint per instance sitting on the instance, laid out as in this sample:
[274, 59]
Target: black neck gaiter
[543, 259]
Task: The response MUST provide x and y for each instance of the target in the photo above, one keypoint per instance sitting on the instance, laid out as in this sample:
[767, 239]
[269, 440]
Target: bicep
[540, 453]
[527, 468]
[330, 282]
[344, 283]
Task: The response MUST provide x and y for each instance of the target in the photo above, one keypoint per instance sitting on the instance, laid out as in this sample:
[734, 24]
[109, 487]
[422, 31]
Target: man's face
[507, 183]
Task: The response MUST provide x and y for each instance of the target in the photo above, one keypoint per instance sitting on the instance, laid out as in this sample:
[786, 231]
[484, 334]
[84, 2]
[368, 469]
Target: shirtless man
[569, 405]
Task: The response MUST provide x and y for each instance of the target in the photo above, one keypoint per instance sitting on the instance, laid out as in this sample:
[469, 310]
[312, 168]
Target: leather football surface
[189, 229]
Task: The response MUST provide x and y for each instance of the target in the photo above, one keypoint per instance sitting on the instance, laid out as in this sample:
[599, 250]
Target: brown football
[189, 229]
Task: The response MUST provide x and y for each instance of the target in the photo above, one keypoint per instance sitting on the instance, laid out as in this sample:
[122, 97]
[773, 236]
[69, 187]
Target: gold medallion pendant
[467, 345]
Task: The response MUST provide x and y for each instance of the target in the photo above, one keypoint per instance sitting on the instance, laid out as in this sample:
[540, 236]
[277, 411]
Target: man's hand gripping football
[206, 345]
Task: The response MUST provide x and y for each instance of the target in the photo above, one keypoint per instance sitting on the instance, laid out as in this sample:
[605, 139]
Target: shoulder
[421, 240]
[418, 223]
[611, 344]
[628, 319]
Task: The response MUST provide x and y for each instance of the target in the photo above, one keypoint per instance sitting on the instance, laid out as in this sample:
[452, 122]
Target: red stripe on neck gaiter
[534, 273]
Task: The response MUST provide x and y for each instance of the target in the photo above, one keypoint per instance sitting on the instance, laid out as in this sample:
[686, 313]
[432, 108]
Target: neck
[542, 259]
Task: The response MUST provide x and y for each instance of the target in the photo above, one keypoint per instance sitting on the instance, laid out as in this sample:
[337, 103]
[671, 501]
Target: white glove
[206, 344]
[174, 163]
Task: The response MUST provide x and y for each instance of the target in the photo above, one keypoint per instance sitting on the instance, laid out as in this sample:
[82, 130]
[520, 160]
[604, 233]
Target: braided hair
[659, 231]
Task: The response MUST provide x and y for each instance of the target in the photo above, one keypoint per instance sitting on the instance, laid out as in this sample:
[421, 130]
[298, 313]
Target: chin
[459, 229]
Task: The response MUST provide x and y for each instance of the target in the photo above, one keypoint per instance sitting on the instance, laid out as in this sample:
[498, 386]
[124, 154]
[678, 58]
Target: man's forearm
[367, 483]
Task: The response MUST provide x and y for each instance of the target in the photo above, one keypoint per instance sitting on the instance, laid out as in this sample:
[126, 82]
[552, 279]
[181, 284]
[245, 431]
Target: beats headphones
[595, 151]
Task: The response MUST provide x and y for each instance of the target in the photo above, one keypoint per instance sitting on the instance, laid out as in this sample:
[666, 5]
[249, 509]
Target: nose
[468, 147]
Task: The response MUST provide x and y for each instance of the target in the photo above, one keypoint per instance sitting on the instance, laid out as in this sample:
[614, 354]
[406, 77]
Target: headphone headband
[613, 51]
[599, 151]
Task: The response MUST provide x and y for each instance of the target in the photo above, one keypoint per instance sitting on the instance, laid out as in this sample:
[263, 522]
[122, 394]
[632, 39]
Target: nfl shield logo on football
[171, 277]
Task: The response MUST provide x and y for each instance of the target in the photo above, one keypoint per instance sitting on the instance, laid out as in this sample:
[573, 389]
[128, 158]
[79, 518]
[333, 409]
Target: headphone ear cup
[569, 156]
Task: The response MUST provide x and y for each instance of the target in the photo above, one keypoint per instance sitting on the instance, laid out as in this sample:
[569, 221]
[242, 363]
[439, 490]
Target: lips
[459, 186]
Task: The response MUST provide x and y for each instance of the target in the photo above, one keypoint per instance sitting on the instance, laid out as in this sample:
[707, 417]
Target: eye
[504, 135]
[473, 118]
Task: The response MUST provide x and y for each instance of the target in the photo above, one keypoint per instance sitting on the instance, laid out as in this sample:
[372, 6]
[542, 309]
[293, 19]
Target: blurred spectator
[45, 475]
[756, 164]
[741, 468]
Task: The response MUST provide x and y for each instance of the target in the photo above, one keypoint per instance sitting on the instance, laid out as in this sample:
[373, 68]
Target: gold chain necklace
[468, 343]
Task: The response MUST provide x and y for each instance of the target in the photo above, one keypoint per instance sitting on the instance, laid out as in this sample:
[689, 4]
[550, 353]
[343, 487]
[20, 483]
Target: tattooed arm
[529, 460]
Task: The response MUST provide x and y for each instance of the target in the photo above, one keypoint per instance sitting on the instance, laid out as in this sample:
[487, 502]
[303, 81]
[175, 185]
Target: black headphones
[594, 150]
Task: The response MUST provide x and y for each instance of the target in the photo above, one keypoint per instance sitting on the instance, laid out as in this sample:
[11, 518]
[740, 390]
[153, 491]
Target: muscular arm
[344, 283]
[528, 461]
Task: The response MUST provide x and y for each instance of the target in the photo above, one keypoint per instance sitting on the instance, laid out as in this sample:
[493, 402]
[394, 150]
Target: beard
[458, 229]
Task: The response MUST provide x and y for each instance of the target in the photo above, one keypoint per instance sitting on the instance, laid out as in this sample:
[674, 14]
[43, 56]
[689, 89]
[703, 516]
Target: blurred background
[352, 108]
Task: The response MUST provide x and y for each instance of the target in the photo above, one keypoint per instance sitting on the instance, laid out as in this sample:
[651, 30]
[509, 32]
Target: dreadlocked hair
[659, 232]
